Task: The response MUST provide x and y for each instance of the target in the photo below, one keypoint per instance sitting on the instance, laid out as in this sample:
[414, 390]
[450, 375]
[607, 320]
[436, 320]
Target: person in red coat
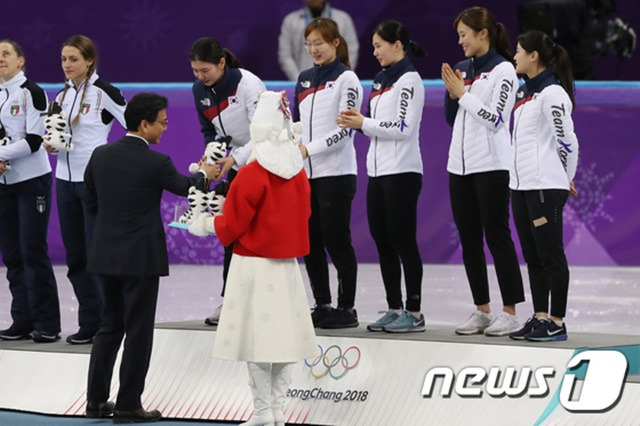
[265, 319]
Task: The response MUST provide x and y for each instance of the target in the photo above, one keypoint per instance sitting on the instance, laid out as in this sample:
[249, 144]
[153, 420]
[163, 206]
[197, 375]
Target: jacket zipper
[4, 178]
[313, 100]
[224, 132]
[515, 147]
[375, 144]
[464, 117]
[73, 104]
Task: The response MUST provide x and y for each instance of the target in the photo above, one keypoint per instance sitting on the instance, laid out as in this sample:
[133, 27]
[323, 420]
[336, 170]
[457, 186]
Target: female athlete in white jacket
[330, 162]
[394, 165]
[478, 103]
[544, 165]
[25, 203]
[91, 106]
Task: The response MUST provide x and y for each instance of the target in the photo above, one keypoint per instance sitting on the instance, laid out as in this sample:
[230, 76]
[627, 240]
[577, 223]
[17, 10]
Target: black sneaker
[531, 324]
[547, 332]
[40, 337]
[15, 333]
[82, 337]
[341, 318]
[320, 313]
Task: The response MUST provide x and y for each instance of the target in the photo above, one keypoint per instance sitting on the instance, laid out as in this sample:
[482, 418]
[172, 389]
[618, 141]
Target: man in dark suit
[124, 181]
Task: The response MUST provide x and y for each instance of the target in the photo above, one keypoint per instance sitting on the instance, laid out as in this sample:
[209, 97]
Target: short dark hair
[143, 106]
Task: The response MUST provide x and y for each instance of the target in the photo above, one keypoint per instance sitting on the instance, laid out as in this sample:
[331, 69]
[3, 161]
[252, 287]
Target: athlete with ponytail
[394, 166]
[225, 96]
[321, 93]
[545, 162]
[91, 105]
[480, 95]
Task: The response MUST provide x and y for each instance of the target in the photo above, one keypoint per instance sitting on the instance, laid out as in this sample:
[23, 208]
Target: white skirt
[265, 314]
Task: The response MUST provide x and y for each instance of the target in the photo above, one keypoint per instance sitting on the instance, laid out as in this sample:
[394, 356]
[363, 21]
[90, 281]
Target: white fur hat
[272, 115]
[274, 137]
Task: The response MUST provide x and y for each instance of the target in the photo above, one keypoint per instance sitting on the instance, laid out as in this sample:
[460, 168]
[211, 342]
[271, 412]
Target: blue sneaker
[547, 331]
[406, 323]
[386, 319]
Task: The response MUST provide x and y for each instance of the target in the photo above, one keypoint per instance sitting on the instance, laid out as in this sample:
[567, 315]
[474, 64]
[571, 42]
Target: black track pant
[480, 205]
[392, 204]
[329, 229]
[538, 219]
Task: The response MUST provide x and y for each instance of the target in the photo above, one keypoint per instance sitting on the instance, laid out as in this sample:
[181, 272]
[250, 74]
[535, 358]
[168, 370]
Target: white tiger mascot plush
[201, 202]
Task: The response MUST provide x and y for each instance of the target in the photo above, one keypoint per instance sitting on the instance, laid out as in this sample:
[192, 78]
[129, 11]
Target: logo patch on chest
[84, 109]
[41, 203]
[205, 102]
[15, 110]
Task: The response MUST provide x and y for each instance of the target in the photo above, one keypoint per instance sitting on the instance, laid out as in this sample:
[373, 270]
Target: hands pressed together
[350, 119]
[453, 81]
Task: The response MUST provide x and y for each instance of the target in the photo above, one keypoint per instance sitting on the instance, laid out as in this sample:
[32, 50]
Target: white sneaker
[502, 325]
[476, 324]
[215, 317]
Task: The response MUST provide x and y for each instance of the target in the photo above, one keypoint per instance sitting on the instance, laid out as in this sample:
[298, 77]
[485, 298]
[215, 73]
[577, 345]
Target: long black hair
[206, 49]
[479, 18]
[392, 31]
[551, 55]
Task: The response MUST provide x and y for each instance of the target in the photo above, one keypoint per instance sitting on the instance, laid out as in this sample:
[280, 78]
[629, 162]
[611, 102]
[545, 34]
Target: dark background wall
[148, 41]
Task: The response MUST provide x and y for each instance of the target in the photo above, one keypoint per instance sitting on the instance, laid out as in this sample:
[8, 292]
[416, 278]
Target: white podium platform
[358, 378]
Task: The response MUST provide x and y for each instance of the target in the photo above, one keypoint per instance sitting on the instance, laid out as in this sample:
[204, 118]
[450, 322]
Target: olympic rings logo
[334, 362]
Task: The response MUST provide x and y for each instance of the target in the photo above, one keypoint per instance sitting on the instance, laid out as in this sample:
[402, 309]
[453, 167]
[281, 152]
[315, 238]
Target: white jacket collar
[17, 80]
[92, 79]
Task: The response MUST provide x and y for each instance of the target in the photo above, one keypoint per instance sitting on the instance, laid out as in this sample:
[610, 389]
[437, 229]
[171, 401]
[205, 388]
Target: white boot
[260, 376]
[280, 380]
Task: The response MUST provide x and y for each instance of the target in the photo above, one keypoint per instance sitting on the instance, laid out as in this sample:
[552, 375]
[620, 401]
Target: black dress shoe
[136, 416]
[97, 410]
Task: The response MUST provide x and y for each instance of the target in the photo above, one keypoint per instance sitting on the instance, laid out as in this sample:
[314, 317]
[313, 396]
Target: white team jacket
[227, 109]
[546, 147]
[480, 141]
[394, 125]
[321, 93]
[102, 103]
[22, 108]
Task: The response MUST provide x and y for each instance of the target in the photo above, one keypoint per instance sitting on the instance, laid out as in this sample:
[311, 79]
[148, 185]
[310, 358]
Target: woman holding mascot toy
[225, 97]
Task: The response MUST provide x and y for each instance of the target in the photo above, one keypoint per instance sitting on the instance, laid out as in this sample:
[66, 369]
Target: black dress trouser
[129, 313]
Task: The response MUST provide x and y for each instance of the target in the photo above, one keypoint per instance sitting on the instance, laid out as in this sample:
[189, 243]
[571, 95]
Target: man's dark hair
[143, 106]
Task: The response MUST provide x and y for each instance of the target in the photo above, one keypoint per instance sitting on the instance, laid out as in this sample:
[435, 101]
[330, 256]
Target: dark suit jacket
[124, 181]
